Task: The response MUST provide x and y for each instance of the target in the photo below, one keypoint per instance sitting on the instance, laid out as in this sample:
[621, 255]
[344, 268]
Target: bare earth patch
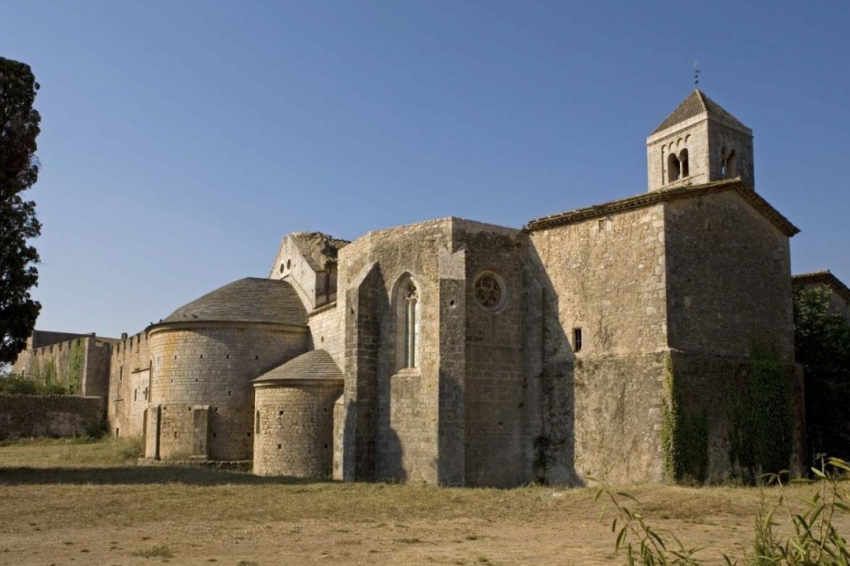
[62, 506]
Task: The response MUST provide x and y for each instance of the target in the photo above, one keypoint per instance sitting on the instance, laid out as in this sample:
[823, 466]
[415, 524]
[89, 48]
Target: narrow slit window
[577, 343]
[411, 325]
[731, 165]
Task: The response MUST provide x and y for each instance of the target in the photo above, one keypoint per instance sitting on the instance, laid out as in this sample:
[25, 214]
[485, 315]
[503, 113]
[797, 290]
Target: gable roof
[667, 195]
[823, 278]
[247, 300]
[695, 104]
[316, 365]
[318, 249]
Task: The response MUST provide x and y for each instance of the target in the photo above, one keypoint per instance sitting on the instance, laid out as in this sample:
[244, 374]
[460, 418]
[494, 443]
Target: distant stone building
[839, 293]
[463, 353]
[79, 362]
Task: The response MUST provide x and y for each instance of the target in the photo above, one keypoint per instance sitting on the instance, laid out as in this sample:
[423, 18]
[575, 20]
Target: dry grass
[58, 505]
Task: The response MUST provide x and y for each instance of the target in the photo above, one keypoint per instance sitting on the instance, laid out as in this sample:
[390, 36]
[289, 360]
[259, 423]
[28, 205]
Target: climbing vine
[75, 366]
[761, 418]
[48, 373]
[684, 436]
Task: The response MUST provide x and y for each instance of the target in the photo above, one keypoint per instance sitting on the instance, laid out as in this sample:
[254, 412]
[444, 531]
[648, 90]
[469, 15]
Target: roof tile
[695, 104]
[314, 365]
[247, 300]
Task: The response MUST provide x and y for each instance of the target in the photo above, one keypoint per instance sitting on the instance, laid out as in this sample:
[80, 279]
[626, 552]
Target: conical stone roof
[695, 104]
[247, 300]
[316, 365]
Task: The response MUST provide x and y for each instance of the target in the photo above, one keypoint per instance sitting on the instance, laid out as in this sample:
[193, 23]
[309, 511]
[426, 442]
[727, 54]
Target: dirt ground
[77, 504]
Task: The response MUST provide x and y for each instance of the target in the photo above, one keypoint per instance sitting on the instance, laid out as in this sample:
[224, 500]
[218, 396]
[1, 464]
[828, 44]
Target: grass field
[74, 502]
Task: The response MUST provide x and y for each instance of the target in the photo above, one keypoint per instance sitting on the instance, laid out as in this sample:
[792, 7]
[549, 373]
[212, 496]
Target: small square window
[577, 340]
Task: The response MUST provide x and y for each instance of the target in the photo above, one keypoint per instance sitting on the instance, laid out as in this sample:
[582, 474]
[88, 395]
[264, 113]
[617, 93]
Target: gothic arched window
[410, 305]
[408, 319]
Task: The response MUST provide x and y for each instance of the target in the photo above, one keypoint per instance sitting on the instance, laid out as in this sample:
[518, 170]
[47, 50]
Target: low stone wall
[53, 416]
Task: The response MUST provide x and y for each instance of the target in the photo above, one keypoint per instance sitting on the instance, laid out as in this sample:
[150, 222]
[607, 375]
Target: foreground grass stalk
[815, 540]
[643, 544]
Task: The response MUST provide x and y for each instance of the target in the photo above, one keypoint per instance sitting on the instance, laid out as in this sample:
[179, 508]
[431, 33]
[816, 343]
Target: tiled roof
[318, 249]
[247, 300]
[823, 278]
[668, 195]
[317, 365]
[695, 104]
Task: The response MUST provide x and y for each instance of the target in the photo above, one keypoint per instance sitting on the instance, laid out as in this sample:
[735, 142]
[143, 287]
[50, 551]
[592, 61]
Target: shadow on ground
[138, 475]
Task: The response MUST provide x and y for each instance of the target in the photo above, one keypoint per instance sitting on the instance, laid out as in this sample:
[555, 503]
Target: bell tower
[698, 143]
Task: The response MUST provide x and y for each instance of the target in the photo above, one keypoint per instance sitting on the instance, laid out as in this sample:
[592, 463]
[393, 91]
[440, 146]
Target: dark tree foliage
[822, 342]
[19, 126]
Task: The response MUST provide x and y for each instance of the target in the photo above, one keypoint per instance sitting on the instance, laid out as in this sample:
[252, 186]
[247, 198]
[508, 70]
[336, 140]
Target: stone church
[463, 353]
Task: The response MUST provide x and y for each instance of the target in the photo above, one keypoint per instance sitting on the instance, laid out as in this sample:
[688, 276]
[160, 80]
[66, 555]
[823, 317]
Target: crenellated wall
[129, 385]
[79, 363]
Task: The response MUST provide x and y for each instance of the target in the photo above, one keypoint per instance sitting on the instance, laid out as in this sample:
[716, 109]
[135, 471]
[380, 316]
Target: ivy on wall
[47, 374]
[684, 435]
[75, 366]
[761, 420]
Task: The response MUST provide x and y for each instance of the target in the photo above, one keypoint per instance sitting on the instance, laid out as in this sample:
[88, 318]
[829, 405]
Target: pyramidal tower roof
[695, 104]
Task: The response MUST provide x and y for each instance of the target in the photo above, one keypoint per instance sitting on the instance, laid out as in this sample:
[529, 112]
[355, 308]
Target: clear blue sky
[181, 140]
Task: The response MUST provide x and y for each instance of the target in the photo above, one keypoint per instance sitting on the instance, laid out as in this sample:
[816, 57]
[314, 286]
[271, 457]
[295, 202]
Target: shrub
[18, 385]
[814, 538]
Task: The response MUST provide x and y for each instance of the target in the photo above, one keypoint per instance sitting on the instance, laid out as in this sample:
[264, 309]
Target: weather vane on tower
[696, 73]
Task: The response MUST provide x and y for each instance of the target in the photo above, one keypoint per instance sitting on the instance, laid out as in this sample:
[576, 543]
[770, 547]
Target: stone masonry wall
[609, 275]
[498, 448]
[54, 363]
[716, 319]
[214, 365]
[722, 136]
[452, 425]
[617, 417]
[23, 416]
[96, 368]
[41, 338]
[294, 429]
[704, 138]
[406, 416]
[710, 310]
[606, 276]
[128, 394]
[357, 417]
[691, 135]
[708, 386]
[408, 399]
[290, 265]
[327, 331]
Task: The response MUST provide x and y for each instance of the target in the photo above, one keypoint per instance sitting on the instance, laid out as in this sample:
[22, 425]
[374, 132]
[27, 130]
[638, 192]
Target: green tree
[19, 127]
[822, 343]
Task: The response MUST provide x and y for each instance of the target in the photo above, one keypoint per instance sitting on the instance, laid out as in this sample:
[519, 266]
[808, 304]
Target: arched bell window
[674, 171]
[683, 163]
